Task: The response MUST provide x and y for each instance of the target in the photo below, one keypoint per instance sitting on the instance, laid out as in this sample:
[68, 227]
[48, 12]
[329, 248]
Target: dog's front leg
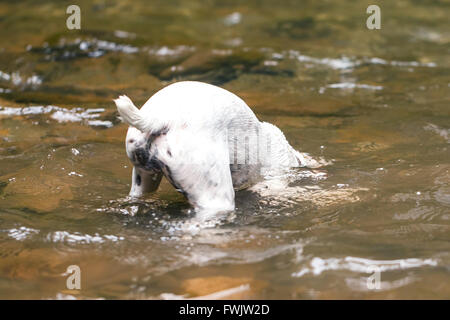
[144, 181]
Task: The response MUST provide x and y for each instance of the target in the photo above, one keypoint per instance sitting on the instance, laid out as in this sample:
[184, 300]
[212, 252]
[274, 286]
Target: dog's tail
[131, 114]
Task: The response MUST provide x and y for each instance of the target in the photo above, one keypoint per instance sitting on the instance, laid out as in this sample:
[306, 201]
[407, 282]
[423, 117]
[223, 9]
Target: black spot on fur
[156, 134]
[138, 180]
[154, 163]
[169, 153]
[141, 156]
[212, 184]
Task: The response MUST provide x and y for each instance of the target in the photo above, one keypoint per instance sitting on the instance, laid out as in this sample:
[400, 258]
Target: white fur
[197, 132]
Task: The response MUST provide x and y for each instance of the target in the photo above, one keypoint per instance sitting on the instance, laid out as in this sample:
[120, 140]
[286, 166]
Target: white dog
[205, 140]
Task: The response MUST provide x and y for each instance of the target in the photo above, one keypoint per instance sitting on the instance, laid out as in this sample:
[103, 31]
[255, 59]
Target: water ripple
[60, 114]
[362, 265]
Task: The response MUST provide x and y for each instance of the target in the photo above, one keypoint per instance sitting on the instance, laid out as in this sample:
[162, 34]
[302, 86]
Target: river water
[374, 223]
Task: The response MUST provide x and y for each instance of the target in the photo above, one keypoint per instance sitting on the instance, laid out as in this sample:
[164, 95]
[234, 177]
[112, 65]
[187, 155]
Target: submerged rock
[222, 287]
[216, 66]
[302, 28]
[34, 190]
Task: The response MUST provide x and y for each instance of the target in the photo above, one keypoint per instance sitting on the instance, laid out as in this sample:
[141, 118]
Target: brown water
[375, 103]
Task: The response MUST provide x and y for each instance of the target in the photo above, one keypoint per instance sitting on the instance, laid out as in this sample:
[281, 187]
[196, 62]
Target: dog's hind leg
[144, 181]
[198, 167]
